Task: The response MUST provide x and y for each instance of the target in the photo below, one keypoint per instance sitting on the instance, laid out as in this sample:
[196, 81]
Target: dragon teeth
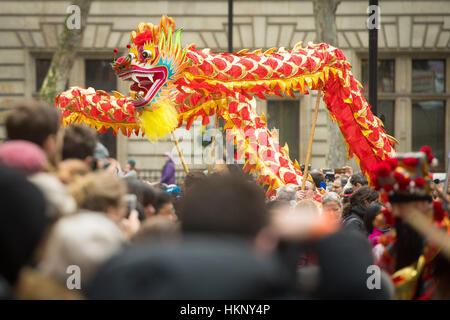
[150, 76]
[134, 76]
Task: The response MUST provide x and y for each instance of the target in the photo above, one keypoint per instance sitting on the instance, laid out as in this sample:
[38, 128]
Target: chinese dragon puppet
[171, 85]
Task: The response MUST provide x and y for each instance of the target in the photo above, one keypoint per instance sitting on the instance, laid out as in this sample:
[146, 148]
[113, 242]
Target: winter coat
[354, 220]
[168, 173]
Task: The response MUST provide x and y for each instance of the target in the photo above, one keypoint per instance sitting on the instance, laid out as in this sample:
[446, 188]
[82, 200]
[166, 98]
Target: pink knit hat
[24, 156]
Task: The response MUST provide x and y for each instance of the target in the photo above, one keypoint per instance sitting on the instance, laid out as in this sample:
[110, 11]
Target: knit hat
[24, 156]
[132, 163]
[86, 240]
[22, 222]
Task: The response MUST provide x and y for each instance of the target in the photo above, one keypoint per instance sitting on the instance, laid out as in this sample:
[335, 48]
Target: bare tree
[65, 54]
[325, 19]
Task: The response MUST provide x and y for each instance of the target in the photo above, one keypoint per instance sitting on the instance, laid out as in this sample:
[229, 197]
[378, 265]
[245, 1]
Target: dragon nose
[121, 65]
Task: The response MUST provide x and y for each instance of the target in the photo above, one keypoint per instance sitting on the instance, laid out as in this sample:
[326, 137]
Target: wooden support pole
[311, 138]
[180, 153]
[422, 224]
[213, 142]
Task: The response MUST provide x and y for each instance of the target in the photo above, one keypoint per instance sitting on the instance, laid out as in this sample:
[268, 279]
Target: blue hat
[132, 163]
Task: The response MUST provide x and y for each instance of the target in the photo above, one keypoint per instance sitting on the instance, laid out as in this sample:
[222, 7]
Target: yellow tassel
[160, 122]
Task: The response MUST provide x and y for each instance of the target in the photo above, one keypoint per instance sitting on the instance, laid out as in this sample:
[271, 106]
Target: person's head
[338, 185]
[364, 197]
[101, 155]
[225, 204]
[310, 190]
[374, 217]
[79, 143]
[346, 196]
[157, 227]
[361, 199]
[70, 169]
[331, 205]
[318, 177]
[192, 179]
[59, 202]
[100, 192]
[278, 205]
[37, 122]
[145, 196]
[167, 156]
[164, 206]
[285, 193]
[22, 222]
[307, 206]
[85, 240]
[357, 181]
[131, 165]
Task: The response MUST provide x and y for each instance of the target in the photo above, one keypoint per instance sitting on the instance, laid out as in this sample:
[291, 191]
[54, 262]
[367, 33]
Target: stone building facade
[414, 66]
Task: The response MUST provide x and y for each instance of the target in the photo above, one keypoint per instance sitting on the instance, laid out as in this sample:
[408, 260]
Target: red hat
[24, 156]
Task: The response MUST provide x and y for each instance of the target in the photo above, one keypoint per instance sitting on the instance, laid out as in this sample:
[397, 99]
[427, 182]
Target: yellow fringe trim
[155, 124]
[160, 122]
[79, 118]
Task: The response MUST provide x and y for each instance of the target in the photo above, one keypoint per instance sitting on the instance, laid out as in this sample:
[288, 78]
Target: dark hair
[276, 204]
[344, 181]
[161, 199]
[192, 178]
[409, 244]
[236, 170]
[144, 193]
[358, 178]
[317, 177]
[372, 211]
[79, 142]
[22, 222]
[224, 204]
[32, 121]
[358, 199]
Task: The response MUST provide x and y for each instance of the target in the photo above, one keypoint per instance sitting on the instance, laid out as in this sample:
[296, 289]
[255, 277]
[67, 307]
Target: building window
[386, 114]
[428, 114]
[428, 123]
[386, 76]
[386, 80]
[100, 76]
[42, 66]
[284, 115]
[428, 76]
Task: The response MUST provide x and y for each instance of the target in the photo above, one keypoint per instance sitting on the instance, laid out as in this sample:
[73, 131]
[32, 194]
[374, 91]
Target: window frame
[403, 95]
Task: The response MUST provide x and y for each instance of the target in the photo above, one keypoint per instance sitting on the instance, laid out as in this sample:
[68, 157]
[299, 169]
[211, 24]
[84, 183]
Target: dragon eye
[131, 55]
[146, 54]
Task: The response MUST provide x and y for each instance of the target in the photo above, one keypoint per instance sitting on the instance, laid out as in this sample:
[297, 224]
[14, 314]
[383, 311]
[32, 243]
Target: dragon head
[155, 60]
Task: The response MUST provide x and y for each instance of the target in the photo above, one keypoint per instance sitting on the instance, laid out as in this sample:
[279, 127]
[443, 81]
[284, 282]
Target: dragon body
[172, 85]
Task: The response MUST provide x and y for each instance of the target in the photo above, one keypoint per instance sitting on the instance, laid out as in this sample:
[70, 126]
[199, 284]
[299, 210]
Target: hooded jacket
[168, 171]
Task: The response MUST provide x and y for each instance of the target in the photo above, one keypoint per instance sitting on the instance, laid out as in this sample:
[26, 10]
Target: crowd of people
[68, 206]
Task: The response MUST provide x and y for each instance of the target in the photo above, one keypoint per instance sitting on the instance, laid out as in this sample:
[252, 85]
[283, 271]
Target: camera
[329, 175]
[302, 167]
